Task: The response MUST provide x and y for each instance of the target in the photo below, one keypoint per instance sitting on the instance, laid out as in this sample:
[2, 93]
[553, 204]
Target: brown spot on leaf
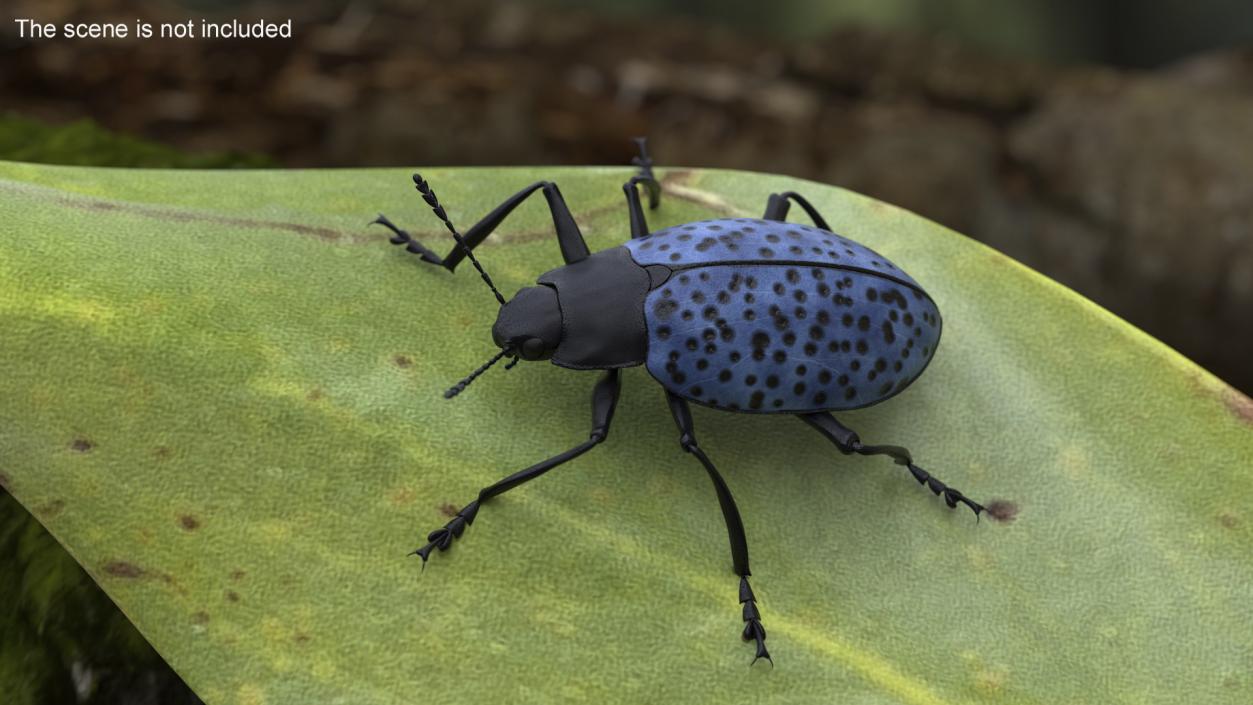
[1228, 520]
[401, 496]
[1002, 510]
[189, 522]
[200, 618]
[1239, 404]
[81, 445]
[232, 596]
[448, 510]
[162, 452]
[122, 569]
[315, 394]
[52, 508]
[238, 574]
[301, 638]
[403, 361]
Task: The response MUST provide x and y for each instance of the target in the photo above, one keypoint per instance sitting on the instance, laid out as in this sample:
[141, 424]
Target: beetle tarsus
[753, 629]
[848, 442]
[400, 237]
[443, 537]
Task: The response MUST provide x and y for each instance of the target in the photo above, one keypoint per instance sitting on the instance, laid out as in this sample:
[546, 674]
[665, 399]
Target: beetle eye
[533, 349]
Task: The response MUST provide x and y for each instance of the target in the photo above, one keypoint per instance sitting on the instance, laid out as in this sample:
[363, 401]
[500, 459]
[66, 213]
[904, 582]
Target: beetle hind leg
[645, 178]
[753, 629]
[848, 442]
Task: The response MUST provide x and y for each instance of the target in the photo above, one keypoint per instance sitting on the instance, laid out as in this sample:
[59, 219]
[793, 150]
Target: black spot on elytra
[793, 276]
[663, 332]
[889, 333]
[863, 323]
[665, 308]
[724, 376]
[754, 402]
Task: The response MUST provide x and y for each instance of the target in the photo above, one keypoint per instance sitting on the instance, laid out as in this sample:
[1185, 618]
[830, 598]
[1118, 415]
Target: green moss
[85, 143]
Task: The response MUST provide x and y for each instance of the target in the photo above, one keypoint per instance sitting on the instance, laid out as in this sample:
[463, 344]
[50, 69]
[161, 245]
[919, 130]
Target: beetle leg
[604, 400]
[573, 248]
[848, 442]
[777, 208]
[639, 226]
[753, 630]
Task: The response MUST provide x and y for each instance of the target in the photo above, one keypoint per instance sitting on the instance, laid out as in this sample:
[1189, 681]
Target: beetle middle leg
[848, 442]
[604, 400]
[753, 630]
[777, 207]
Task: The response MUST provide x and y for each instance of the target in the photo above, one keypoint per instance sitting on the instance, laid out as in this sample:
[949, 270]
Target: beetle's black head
[529, 325]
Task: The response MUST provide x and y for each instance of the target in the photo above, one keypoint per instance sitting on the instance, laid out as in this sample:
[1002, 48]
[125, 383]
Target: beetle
[745, 315]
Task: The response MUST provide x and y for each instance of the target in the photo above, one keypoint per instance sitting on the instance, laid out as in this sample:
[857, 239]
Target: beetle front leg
[848, 442]
[604, 401]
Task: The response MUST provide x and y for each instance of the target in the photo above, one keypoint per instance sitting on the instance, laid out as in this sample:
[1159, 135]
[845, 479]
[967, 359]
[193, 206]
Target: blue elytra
[770, 316]
[748, 315]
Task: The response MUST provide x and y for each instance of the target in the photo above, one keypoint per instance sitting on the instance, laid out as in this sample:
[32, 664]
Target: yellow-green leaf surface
[222, 392]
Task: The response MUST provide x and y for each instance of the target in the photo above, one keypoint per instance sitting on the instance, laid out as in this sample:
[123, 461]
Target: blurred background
[1106, 143]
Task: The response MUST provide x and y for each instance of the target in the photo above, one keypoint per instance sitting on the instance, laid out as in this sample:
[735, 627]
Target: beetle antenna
[461, 386]
[428, 195]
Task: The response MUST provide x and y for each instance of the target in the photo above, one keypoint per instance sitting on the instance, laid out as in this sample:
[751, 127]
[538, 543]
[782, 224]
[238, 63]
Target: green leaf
[222, 394]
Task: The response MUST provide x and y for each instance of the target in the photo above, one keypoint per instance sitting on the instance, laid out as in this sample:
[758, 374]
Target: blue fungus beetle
[749, 315]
